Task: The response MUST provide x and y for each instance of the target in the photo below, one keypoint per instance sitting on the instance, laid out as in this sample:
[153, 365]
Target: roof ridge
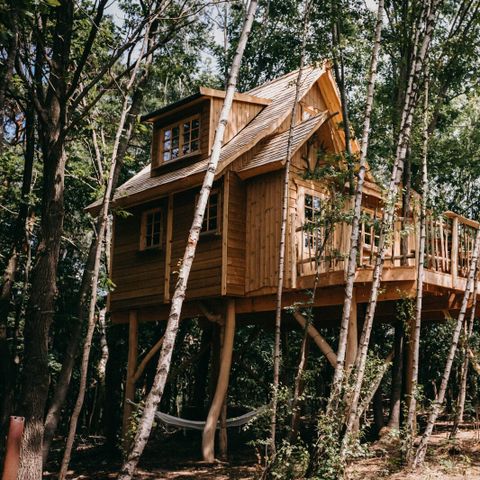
[282, 77]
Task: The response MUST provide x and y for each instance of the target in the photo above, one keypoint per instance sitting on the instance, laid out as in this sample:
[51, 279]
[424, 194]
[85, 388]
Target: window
[181, 139]
[211, 220]
[151, 229]
[370, 229]
[312, 215]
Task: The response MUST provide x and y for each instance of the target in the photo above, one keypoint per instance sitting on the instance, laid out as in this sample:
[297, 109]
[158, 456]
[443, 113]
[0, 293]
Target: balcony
[449, 246]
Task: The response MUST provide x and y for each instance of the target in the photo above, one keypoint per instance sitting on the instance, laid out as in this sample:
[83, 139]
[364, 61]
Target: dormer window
[181, 139]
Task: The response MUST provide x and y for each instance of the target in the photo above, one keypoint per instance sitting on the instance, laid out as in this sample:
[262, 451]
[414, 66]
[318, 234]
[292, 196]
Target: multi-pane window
[151, 232]
[371, 229]
[211, 218]
[181, 139]
[312, 214]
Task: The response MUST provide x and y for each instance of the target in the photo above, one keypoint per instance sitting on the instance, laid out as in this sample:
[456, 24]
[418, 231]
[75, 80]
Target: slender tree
[355, 232]
[163, 366]
[283, 233]
[415, 334]
[390, 209]
[440, 397]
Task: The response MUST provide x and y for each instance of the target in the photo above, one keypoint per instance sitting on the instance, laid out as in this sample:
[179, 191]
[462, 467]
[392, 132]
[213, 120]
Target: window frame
[143, 230]
[218, 230]
[181, 133]
[373, 233]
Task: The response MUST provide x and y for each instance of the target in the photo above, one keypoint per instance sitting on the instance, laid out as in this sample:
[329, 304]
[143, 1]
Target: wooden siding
[264, 195]
[241, 114]
[138, 275]
[235, 239]
[206, 273]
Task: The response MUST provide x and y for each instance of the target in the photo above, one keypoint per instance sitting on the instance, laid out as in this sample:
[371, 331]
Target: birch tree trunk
[283, 234]
[440, 397]
[101, 228]
[163, 366]
[352, 259]
[464, 372]
[415, 335]
[389, 215]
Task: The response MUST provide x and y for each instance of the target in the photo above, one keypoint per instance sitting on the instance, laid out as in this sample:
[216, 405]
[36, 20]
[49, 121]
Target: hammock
[198, 424]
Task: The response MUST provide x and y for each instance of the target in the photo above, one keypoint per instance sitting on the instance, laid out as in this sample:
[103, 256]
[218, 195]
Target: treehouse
[234, 274]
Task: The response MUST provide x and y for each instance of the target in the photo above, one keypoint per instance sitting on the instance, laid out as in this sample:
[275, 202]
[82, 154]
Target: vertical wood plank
[225, 198]
[168, 249]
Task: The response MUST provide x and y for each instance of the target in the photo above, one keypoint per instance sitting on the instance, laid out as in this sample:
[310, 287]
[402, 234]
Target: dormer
[183, 132]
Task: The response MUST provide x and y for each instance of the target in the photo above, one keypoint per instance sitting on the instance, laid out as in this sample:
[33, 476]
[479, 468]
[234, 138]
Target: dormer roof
[277, 97]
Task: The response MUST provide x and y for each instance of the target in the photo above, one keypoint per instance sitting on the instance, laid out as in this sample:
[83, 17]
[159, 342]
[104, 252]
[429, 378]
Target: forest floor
[446, 460]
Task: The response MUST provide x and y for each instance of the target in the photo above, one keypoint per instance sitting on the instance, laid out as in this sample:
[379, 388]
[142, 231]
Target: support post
[454, 253]
[131, 368]
[12, 454]
[352, 338]
[208, 437]
[408, 387]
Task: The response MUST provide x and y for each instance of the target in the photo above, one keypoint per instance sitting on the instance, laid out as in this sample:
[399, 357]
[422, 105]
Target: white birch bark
[415, 335]
[352, 259]
[389, 215]
[101, 229]
[440, 397]
[163, 366]
[283, 234]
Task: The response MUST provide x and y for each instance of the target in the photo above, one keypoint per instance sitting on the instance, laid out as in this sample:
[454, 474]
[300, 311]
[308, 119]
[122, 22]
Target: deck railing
[449, 245]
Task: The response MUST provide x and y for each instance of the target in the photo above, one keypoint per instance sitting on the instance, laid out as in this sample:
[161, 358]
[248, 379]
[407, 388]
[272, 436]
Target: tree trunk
[63, 382]
[163, 367]
[397, 379]
[468, 330]
[387, 222]
[283, 235]
[100, 235]
[414, 336]
[352, 259]
[440, 397]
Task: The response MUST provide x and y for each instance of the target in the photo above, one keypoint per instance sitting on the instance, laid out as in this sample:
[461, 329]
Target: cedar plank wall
[234, 242]
[241, 114]
[206, 273]
[138, 276]
[264, 194]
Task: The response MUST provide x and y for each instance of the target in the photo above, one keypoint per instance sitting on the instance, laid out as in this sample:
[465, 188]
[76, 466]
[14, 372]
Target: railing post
[12, 455]
[454, 253]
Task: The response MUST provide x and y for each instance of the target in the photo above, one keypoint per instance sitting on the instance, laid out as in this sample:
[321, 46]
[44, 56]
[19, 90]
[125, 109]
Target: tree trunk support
[208, 437]
[131, 368]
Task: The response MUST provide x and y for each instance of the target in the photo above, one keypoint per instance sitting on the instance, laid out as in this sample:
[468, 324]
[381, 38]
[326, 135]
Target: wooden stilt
[131, 367]
[222, 436]
[352, 339]
[208, 438]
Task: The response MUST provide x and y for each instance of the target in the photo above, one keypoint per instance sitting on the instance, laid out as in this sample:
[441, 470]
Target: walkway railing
[449, 245]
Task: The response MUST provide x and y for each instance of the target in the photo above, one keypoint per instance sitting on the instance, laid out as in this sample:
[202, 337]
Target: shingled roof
[282, 93]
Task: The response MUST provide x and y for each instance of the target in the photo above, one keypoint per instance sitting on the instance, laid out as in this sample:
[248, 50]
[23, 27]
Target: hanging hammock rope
[198, 424]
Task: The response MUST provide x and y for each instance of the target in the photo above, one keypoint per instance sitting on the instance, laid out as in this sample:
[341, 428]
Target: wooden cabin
[237, 255]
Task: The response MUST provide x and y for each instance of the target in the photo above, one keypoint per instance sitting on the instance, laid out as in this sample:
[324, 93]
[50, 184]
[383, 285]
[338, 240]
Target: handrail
[449, 246]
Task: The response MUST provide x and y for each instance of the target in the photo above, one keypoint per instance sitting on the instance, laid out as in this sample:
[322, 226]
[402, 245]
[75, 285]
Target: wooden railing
[449, 245]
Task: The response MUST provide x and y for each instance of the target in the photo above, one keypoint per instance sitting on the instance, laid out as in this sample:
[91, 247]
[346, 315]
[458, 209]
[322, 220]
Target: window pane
[166, 145]
[166, 156]
[175, 142]
[186, 127]
[212, 224]
[194, 145]
[186, 138]
[176, 131]
[194, 134]
[186, 148]
[167, 134]
[175, 153]
[195, 123]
